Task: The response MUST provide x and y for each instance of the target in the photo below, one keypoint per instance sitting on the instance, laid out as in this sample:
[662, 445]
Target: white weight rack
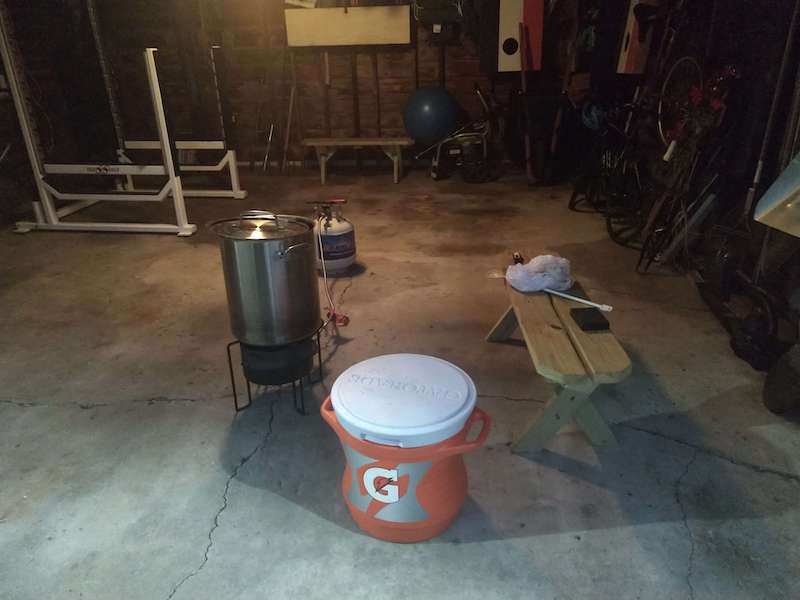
[227, 162]
[49, 216]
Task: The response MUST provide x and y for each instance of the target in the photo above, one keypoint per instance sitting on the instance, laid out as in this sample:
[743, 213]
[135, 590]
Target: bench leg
[594, 425]
[558, 413]
[395, 153]
[323, 155]
[504, 327]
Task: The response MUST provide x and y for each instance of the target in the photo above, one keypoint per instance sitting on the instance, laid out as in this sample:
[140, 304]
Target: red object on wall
[512, 13]
[634, 50]
[533, 18]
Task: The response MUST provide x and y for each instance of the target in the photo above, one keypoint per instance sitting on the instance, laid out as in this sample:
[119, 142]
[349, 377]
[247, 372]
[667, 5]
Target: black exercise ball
[430, 114]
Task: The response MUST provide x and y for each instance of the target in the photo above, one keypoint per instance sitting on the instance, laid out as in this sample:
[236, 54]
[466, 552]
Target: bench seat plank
[601, 353]
[553, 355]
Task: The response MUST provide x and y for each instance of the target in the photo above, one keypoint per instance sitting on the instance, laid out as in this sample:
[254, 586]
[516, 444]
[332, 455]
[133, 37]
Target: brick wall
[368, 85]
[372, 83]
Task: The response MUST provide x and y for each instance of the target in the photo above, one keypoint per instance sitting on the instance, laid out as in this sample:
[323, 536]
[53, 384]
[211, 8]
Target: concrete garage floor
[124, 472]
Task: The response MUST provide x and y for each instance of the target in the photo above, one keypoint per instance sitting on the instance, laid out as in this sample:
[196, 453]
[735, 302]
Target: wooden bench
[327, 147]
[576, 361]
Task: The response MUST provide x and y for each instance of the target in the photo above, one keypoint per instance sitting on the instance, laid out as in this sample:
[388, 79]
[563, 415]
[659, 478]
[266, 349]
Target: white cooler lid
[405, 400]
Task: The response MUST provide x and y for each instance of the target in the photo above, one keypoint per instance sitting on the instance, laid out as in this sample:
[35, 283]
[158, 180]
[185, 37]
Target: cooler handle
[462, 444]
[326, 410]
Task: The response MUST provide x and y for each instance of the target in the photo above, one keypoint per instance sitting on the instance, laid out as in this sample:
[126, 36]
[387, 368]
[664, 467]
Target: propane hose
[332, 314]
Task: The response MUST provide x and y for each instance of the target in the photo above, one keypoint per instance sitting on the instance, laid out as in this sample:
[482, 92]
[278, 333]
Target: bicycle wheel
[591, 190]
[655, 229]
[680, 100]
[624, 206]
[667, 238]
[624, 229]
[587, 195]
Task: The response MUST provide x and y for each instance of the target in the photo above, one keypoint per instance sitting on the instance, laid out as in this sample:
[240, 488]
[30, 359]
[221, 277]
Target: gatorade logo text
[434, 392]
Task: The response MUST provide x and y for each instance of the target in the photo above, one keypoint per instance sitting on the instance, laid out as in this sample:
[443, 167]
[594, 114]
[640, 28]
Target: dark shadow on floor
[570, 487]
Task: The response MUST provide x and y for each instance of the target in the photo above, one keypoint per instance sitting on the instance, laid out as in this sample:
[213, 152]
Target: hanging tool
[288, 131]
[356, 103]
[524, 58]
[746, 217]
[265, 165]
[566, 101]
[108, 76]
[326, 95]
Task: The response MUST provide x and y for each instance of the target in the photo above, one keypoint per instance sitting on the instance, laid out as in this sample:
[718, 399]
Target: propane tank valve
[335, 235]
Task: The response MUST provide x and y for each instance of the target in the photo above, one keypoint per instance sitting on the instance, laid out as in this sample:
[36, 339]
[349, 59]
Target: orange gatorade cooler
[403, 421]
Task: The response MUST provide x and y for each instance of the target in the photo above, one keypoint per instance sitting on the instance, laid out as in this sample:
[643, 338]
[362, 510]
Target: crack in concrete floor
[91, 405]
[685, 520]
[215, 524]
[696, 451]
[168, 400]
[511, 398]
[171, 400]
[34, 404]
[716, 454]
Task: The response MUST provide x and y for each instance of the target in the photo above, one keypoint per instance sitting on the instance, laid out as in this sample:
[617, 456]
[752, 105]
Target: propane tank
[336, 235]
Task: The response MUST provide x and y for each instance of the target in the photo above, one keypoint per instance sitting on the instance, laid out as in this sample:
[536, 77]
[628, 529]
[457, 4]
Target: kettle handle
[283, 253]
[255, 213]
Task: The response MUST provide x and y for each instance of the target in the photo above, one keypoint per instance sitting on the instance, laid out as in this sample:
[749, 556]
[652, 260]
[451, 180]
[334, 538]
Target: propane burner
[273, 298]
[277, 365]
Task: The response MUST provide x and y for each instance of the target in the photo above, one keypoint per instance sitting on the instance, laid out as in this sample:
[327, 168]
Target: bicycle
[617, 184]
[689, 120]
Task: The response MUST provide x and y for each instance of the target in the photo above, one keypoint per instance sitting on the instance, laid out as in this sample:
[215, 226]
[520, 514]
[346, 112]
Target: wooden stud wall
[260, 77]
[368, 85]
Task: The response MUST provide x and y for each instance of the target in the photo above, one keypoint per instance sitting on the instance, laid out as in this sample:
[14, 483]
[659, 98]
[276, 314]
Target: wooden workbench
[576, 361]
[327, 147]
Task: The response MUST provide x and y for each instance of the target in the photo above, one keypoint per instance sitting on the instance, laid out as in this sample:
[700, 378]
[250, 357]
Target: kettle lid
[260, 225]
